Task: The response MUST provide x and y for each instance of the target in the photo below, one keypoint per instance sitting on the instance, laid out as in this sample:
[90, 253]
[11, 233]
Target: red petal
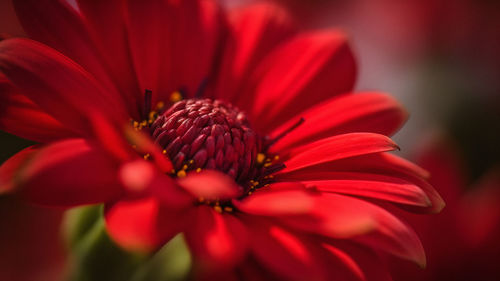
[364, 112]
[56, 24]
[147, 23]
[362, 261]
[69, 173]
[275, 203]
[193, 46]
[381, 187]
[306, 211]
[217, 240]
[58, 85]
[284, 253]
[379, 163]
[142, 225]
[337, 147]
[10, 167]
[107, 27]
[142, 179]
[338, 216]
[21, 117]
[256, 30]
[210, 184]
[304, 71]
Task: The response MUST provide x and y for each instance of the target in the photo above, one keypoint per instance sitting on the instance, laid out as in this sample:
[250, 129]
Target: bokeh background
[440, 59]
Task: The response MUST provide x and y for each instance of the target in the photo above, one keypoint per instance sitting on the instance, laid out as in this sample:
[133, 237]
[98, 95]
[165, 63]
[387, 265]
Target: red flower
[26, 257]
[272, 165]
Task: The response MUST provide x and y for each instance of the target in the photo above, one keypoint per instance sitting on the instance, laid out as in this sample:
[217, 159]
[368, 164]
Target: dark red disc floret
[209, 134]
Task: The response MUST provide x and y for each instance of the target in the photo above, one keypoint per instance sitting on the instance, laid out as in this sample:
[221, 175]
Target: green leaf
[172, 263]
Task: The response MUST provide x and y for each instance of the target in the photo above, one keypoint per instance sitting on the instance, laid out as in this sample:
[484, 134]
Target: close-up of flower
[233, 127]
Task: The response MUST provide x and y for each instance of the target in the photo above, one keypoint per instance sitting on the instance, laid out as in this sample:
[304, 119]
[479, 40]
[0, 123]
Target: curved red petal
[142, 225]
[57, 84]
[380, 164]
[210, 184]
[146, 22]
[107, 28]
[277, 202]
[219, 241]
[337, 147]
[190, 62]
[142, 179]
[306, 70]
[339, 216]
[364, 112]
[387, 188]
[56, 24]
[21, 117]
[68, 173]
[255, 31]
[363, 262]
[9, 168]
[284, 253]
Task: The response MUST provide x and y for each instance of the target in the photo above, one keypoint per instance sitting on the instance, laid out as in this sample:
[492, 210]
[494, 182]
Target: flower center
[201, 134]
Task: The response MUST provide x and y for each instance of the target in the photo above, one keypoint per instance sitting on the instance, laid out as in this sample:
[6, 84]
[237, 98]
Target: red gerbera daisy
[235, 129]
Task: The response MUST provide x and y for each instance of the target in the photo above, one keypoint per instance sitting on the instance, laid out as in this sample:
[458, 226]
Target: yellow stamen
[228, 209]
[218, 209]
[181, 174]
[175, 97]
[260, 158]
[160, 105]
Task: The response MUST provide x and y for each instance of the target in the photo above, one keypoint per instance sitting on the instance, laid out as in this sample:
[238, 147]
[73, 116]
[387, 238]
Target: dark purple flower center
[201, 134]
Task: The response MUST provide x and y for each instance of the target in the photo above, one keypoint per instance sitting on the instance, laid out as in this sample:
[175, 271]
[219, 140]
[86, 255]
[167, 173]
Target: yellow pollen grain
[185, 167]
[267, 164]
[228, 209]
[160, 105]
[152, 116]
[260, 158]
[218, 209]
[164, 151]
[276, 158]
[181, 174]
[146, 157]
[175, 97]
[198, 170]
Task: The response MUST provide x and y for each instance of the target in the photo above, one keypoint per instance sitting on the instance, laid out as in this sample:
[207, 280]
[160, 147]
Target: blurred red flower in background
[462, 241]
[30, 242]
[243, 135]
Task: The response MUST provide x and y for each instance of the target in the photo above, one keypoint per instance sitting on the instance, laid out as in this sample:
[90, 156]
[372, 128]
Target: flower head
[233, 128]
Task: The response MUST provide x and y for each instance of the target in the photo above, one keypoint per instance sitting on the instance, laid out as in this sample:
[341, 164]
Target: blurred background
[441, 60]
